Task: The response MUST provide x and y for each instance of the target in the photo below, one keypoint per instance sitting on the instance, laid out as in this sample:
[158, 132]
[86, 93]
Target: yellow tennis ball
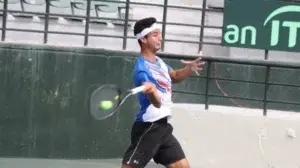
[106, 104]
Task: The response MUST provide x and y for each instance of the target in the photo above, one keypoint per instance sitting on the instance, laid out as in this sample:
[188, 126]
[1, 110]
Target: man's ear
[143, 40]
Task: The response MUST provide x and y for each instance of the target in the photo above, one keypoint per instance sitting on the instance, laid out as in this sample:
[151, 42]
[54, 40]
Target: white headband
[147, 30]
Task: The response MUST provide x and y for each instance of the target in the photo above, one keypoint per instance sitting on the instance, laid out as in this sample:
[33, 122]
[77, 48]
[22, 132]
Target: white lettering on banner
[282, 33]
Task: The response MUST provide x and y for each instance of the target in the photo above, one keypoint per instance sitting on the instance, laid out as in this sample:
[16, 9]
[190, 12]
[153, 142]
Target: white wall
[136, 12]
[224, 137]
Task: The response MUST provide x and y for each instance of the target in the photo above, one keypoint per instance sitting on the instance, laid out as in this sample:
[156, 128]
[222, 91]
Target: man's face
[153, 40]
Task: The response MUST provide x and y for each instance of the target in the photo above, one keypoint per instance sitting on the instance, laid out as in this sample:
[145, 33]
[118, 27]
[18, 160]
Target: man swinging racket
[151, 134]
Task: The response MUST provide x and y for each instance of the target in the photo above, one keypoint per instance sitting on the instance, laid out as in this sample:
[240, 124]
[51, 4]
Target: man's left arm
[179, 75]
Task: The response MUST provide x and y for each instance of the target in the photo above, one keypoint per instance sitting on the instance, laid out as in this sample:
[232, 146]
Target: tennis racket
[106, 100]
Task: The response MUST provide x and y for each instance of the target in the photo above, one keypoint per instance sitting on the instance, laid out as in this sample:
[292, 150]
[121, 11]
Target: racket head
[110, 94]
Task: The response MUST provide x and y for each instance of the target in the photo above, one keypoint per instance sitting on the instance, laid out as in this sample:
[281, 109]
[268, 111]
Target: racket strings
[123, 99]
[104, 101]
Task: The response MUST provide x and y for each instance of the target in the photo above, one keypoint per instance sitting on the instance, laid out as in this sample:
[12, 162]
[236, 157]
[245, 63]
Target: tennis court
[63, 163]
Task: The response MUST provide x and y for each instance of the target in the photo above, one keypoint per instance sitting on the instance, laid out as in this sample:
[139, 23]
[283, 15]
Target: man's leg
[170, 153]
[183, 163]
[128, 166]
[145, 140]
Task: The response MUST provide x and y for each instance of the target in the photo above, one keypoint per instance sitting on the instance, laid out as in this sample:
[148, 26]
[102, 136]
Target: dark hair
[140, 25]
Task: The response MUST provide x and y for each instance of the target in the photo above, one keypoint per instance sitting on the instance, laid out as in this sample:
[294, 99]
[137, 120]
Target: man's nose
[160, 38]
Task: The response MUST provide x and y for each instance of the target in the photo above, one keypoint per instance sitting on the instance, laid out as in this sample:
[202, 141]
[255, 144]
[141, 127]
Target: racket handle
[137, 89]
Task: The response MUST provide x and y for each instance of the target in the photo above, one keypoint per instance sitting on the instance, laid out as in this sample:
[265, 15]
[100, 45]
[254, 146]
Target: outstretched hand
[195, 65]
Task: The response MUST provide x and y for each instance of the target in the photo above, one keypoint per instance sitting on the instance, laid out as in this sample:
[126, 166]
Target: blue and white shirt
[157, 73]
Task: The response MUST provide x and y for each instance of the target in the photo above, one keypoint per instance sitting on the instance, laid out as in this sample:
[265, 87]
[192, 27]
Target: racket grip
[137, 89]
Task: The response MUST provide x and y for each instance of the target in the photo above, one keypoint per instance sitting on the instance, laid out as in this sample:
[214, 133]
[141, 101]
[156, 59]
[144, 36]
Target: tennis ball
[106, 104]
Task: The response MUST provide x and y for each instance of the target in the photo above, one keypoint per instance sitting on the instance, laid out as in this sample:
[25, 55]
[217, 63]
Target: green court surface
[63, 163]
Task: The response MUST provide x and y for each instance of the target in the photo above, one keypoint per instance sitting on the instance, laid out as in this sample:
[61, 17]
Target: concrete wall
[222, 137]
[237, 138]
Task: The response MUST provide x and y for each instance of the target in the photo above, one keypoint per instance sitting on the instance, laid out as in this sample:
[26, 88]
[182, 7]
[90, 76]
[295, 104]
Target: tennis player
[151, 134]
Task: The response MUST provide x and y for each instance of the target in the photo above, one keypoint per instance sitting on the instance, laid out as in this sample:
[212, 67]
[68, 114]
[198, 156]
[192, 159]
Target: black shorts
[153, 141]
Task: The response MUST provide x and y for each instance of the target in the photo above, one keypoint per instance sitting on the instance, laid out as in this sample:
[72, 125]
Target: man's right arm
[150, 89]
[151, 92]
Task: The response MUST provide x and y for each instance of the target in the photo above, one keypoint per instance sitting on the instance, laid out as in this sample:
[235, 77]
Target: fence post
[202, 26]
[4, 20]
[46, 26]
[164, 20]
[266, 54]
[208, 69]
[87, 23]
[125, 33]
[266, 90]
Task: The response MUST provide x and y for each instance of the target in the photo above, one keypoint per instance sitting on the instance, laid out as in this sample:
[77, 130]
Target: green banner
[271, 25]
